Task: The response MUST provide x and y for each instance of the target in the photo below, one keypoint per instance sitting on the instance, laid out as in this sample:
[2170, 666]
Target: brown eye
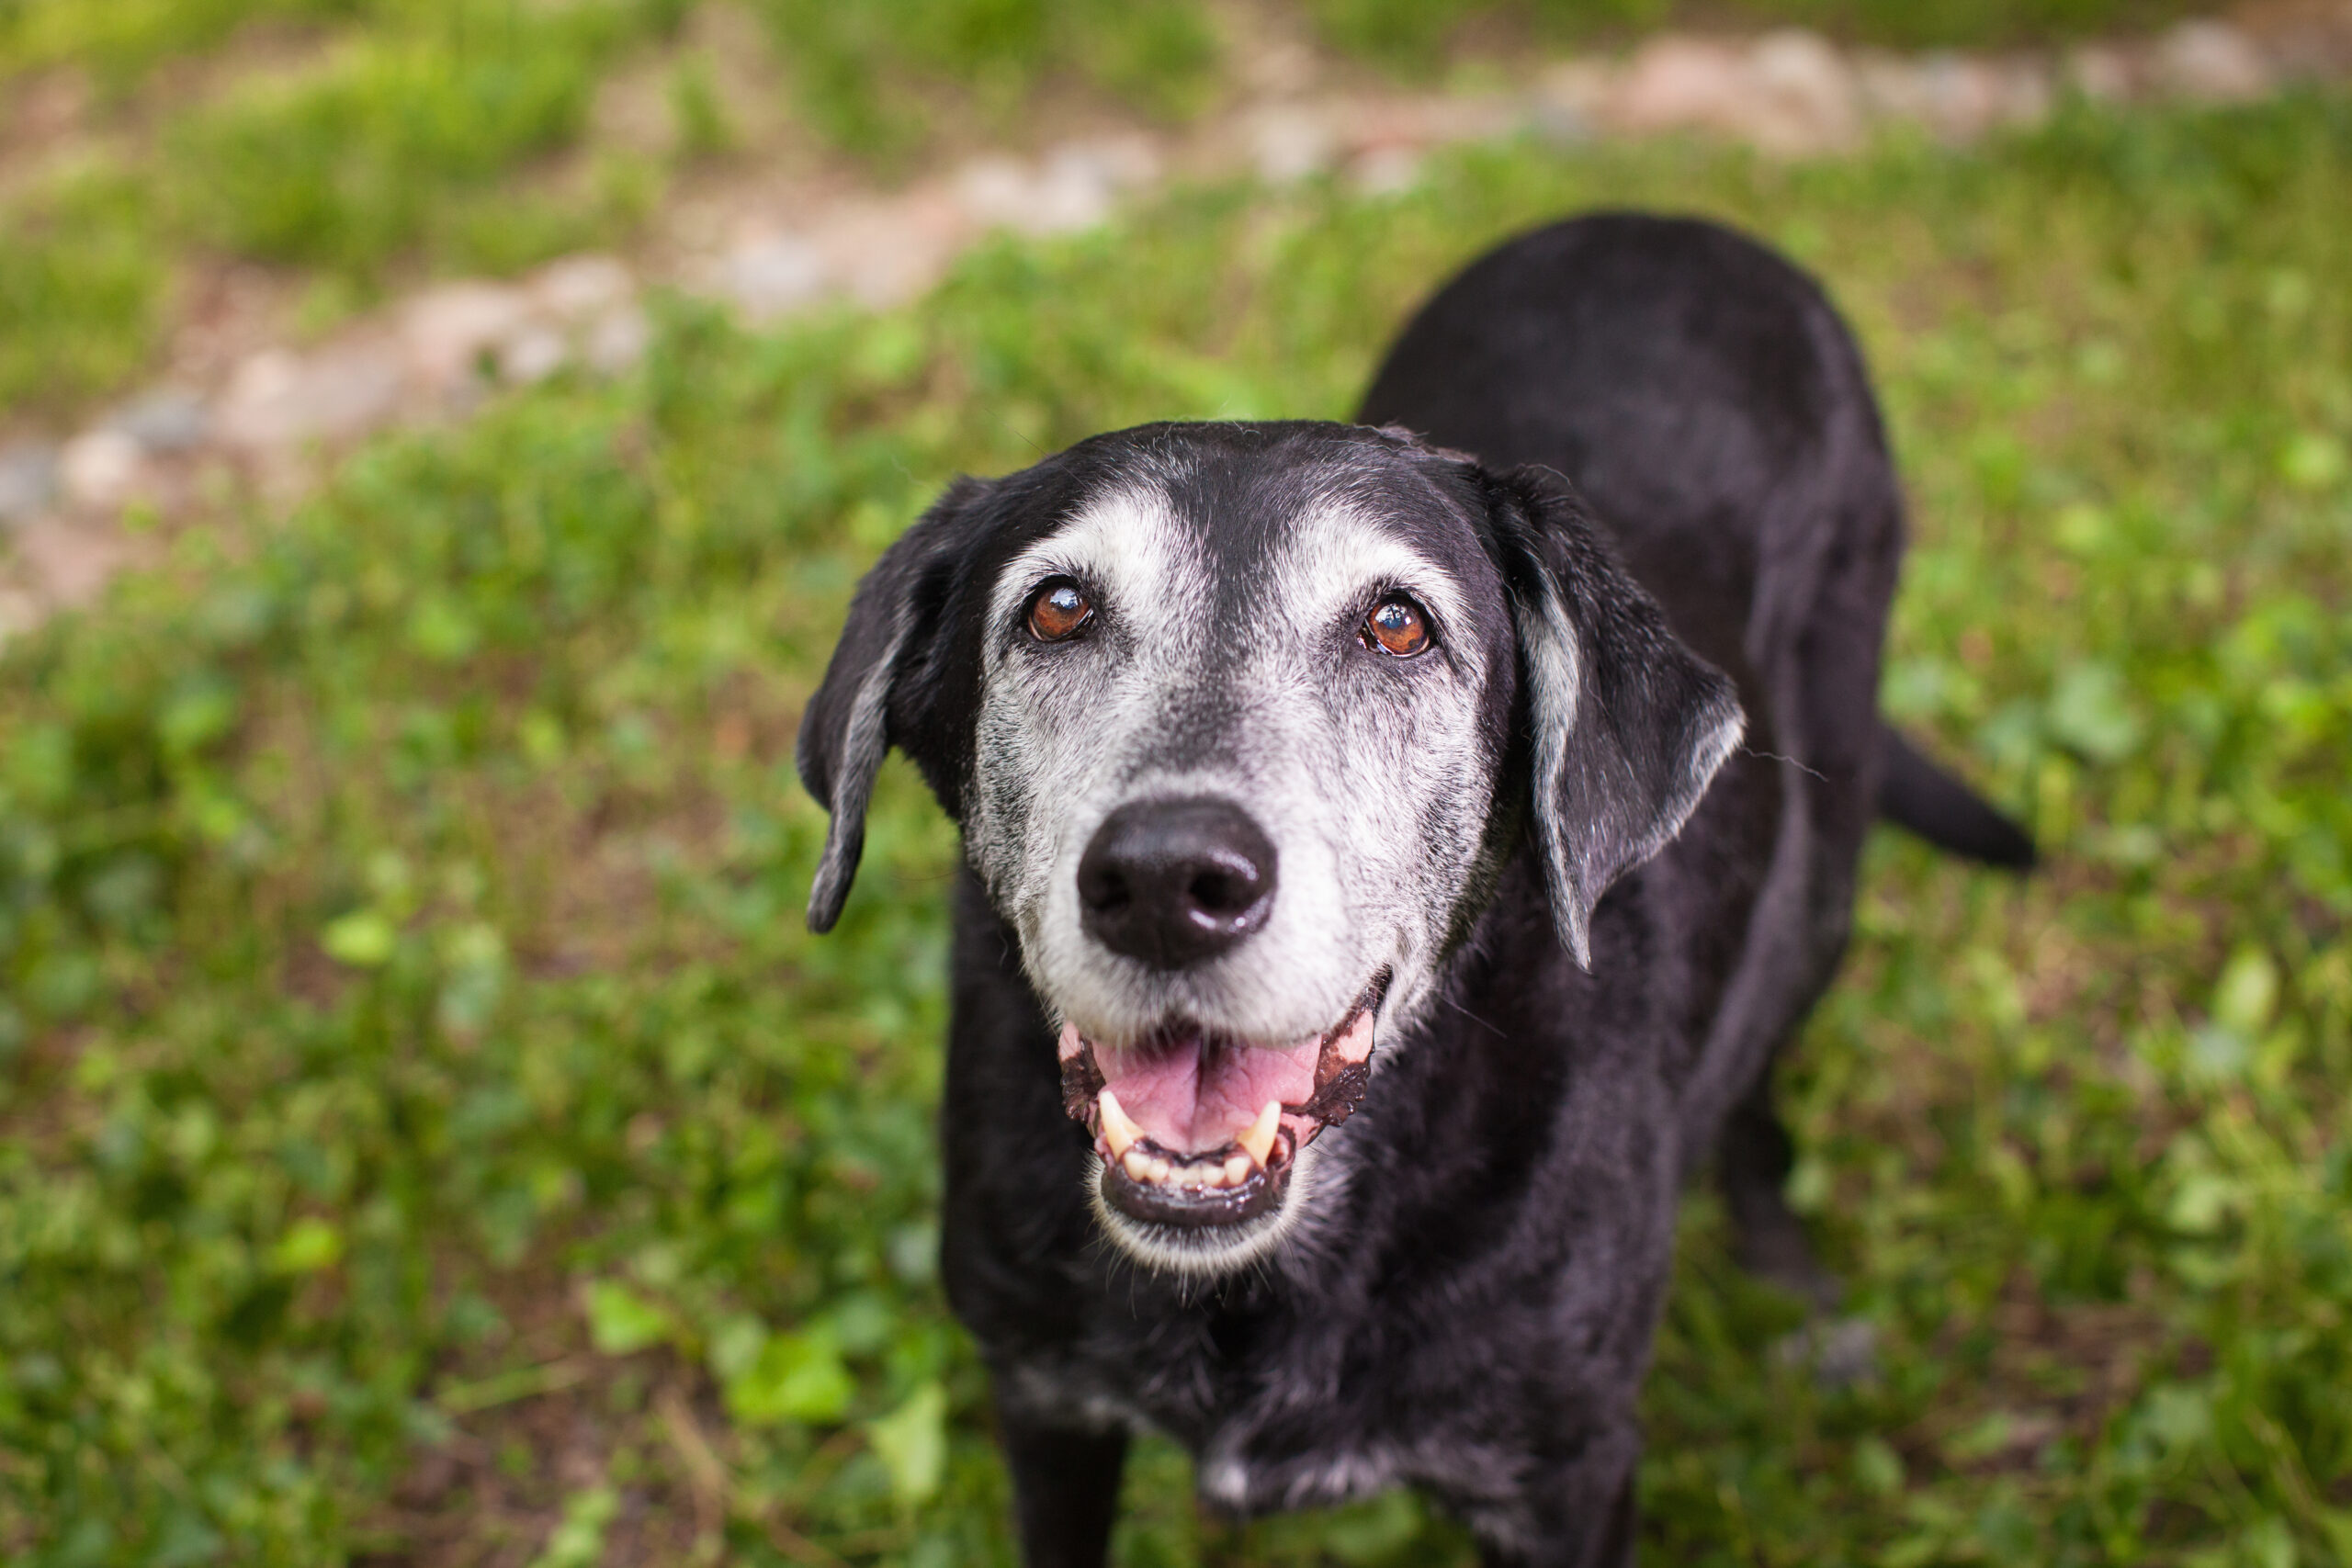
[1059, 611]
[1395, 626]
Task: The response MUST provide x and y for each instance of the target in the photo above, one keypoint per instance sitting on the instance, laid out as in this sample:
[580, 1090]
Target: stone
[20, 611]
[773, 274]
[68, 563]
[532, 356]
[1804, 96]
[169, 418]
[2212, 62]
[2101, 72]
[1569, 97]
[450, 334]
[1005, 193]
[278, 399]
[578, 289]
[1963, 96]
[1073, 187]
[1385, 171]
[617, 340]
[27, 481]
[1893, 86]
[1676, 83]
[887, 252]
[100, 470]
[1288, 144]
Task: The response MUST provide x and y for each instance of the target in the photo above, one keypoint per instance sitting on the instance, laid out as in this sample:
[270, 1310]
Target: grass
[427, 1135]
[363, 142]
[1413, 36]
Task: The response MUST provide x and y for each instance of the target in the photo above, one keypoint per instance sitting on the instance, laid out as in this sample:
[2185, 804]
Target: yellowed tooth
[1159, 1168]
[1119, 1129]
[1237, 1170]
[1139, 1166]
[1260, 1139]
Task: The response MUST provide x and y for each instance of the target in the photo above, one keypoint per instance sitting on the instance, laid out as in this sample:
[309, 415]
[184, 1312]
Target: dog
[1395, 854]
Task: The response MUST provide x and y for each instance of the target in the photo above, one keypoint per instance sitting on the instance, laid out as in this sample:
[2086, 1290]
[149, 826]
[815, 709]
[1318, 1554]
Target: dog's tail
[1914, 794]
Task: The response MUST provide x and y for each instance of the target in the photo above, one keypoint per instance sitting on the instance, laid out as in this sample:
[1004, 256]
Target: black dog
[1306, 1099]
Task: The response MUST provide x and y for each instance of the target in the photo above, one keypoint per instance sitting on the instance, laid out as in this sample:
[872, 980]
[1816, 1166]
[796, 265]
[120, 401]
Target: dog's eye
[1395, 626]
[1059, 611]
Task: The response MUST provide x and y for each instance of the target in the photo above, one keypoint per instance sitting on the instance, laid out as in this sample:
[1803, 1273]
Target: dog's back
[1705, 396]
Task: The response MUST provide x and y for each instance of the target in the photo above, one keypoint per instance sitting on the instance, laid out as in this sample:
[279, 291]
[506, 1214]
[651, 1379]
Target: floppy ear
[1627, 724]
[884, 686]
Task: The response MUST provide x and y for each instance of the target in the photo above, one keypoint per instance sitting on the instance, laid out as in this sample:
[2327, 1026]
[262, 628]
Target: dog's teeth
[1259, 1141]
[1158, 1168]
[1237, 1170]
[1119, 1129]
[1138, 1165]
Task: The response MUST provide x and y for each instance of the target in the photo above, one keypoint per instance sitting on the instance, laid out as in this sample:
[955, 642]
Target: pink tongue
[1185, 1109]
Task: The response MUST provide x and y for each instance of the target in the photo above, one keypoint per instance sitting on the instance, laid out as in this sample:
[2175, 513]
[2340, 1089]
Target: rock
[1963, 97]
[168, 419]
[2025, 90]
[1791, 93]
[2100, 71]
[2212, 62]
[1678, 84]
[450, 334]
[278, 399]
[578, 289]
[1804, 98]
[68, 563]
[1082, 180]
[618, 341]
[1385, 171]
[1893, 86]
[532, 356]
[100, 470]
[27, 481]
[887, 252]
[1568, 98]
[21, 612]
[1074, 188]
[773, 274]
[1287, 144]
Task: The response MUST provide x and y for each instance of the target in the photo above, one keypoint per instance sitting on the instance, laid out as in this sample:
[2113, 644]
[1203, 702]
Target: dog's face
[1240, 722]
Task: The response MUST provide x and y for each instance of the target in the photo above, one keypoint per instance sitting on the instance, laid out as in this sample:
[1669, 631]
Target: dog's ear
[1626, 725]
[885, 685]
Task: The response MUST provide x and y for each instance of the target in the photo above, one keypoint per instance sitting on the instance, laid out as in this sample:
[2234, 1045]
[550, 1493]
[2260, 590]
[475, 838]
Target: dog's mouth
[1198, 1129]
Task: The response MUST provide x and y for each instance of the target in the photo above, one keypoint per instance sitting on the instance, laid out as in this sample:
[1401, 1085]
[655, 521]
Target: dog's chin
[1187, 1242]
[1203, 1141]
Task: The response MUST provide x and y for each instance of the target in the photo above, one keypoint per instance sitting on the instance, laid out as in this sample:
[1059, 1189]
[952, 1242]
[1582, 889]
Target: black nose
[1175, 882]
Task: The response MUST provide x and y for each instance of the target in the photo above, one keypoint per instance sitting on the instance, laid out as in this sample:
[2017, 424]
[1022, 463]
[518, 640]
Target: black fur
[1916, 795]
[1473, 1311]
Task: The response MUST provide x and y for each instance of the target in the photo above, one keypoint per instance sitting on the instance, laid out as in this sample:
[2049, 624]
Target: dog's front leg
[1579, 1516]
[1065, 1489]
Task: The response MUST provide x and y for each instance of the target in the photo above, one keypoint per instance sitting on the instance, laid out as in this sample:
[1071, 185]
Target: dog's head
[1241, 723]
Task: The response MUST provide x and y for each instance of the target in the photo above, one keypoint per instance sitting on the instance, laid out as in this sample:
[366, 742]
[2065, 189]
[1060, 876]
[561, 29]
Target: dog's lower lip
[1238, 1180]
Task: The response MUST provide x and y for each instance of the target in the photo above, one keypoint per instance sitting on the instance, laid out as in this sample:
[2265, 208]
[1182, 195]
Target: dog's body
[1456, 1285]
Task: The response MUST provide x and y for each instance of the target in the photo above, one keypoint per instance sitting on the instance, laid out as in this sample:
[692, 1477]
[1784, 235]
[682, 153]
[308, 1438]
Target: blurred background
[438, 441]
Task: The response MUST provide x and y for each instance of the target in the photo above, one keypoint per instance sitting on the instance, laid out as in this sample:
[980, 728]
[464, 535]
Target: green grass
[425, 1125]
[365, 142]
[82, 292]
[419, 140]
[1413, 36]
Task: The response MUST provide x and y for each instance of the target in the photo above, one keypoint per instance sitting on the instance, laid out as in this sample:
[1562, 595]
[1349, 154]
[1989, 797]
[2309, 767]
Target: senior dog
[1395, 853]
